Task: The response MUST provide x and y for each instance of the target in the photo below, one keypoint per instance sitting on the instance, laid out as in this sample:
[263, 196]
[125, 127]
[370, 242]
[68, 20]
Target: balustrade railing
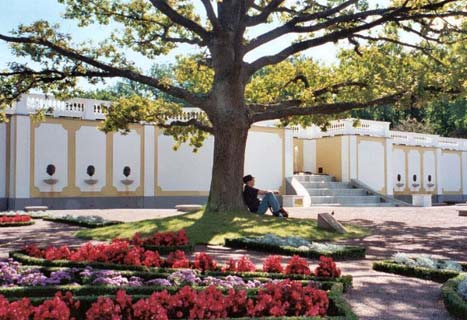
[380, 129]
[90, 109]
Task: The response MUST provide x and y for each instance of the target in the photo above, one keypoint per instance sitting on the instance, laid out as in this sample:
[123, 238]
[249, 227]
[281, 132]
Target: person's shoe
[278, 214]
[284, 212]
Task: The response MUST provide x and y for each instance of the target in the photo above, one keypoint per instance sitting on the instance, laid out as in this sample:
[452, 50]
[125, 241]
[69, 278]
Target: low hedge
[455, 304]
[168, 249]
[145, 272]
[436, 275]
[325, 283]
[81, 223]
[339, 309]
[349, 252]
[16, 224]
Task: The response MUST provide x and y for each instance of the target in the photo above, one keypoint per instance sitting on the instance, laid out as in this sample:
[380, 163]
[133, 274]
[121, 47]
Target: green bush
[436, 275]
[454, 303]
[168, 249]
[349, 252]
[16, 224]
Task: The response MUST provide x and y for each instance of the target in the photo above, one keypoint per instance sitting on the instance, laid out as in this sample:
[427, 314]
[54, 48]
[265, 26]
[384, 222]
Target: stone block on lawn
[188, 207]
[462, 213]
[36, 208]
[327, 222]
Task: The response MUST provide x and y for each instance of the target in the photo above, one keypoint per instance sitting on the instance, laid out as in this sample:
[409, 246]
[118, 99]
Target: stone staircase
[325, 191]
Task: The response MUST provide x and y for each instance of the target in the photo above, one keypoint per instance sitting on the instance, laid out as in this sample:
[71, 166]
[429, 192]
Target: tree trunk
[227, 171]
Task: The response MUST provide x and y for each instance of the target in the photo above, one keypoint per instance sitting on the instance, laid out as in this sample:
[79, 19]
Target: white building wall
[414, 159]
[289, 159]
[183, 170]
[149, 160]
[23, 155]
[429, 170]
[345, 164]
[90, 150]
[127, 152]
[450, 173]
[371, 164]
[398, 170]
[389, 168]
[50, 147]
[309, 156]
[264, 159]
[353, 152]
[464, 172]
[12, 166]
[3, 170]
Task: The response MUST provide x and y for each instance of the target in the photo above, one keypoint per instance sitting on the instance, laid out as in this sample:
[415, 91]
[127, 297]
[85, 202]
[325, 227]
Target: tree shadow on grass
[43, 233]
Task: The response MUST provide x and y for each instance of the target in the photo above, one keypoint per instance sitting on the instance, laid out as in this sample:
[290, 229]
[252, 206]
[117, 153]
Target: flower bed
[32, 214]
[121, 253]
[290, 299]
[422, 267]
[164, 242]
[15, 221]
[82, 221]
[326, 273]
[296, 246]
[455, 296]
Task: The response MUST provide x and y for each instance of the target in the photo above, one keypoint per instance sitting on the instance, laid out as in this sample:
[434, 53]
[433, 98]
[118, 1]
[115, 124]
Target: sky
[15, 12]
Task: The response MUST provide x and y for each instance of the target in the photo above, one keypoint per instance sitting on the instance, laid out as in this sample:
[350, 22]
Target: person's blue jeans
[269, 200]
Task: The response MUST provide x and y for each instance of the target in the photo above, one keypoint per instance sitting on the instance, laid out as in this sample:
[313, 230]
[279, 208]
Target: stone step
[336, 192]
[326, 185]
[381, 204]
[313, 178]
[345, 199]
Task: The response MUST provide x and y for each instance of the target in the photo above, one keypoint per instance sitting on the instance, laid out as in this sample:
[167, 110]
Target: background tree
[382, 68]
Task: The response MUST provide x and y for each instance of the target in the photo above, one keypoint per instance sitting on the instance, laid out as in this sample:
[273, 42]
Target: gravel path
[375, 295]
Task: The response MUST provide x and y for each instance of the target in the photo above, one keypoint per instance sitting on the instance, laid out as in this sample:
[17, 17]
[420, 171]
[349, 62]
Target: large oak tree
[406, 53]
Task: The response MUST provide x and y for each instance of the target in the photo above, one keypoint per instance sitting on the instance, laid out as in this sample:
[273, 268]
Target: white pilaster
[12, 165]
[345, 158]
[389, 169]
[353, 157]
[288, 152]
[309, 155]
[23, 152]
[439, 182]
[464, 172]
[149, 160]
[3, 156]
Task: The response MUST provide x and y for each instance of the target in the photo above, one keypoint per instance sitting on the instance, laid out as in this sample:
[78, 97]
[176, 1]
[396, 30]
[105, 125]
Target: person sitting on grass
[250, 195]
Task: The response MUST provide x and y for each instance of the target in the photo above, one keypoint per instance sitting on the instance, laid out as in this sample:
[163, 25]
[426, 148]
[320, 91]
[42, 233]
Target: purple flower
[158, 282]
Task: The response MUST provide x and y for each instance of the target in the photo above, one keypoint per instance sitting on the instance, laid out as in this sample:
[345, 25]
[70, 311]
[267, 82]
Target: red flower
[14, 219]
[177, 259]
[273, 264]
[204, 262]
[297, 265]
[244, 264]
[170, 238]
[327, 268]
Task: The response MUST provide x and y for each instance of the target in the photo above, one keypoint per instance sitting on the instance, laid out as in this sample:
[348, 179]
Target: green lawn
[213, 228]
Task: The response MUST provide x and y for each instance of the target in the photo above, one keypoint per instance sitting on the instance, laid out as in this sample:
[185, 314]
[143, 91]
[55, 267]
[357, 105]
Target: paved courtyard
[438, 230]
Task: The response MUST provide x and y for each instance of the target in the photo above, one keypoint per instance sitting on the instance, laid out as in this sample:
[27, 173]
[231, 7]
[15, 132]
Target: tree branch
[177, 18]
[283, 110]
[395, 14]
[211, 15]
[111, 70]
[192, 122]
[264, 15]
